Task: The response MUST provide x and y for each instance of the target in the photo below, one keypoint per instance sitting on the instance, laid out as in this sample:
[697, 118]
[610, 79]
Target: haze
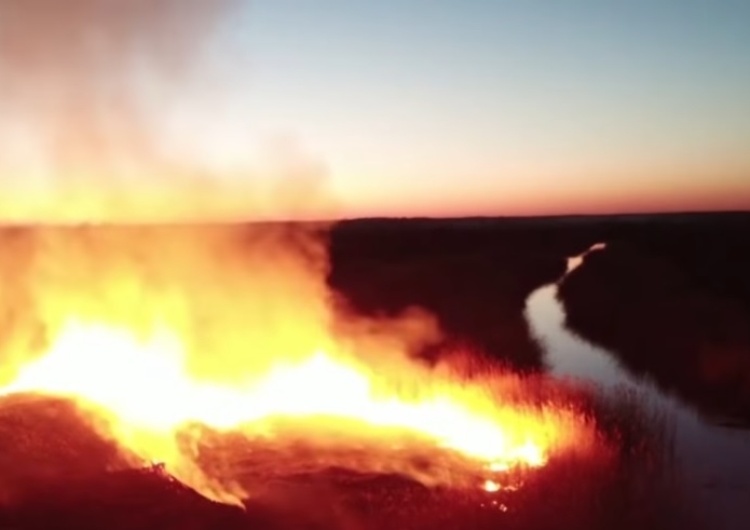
[340, 108]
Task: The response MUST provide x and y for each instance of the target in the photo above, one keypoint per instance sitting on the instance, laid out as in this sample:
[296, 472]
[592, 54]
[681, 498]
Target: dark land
[669, 296]
[672, 302]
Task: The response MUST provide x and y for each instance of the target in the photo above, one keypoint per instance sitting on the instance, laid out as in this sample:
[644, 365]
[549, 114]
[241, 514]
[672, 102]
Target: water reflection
[575, 261]
[715, 460]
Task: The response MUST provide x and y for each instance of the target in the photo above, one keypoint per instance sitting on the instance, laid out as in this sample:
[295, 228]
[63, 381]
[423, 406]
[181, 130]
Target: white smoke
[88, 92]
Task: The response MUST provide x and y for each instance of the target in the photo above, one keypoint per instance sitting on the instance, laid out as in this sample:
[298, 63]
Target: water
[714, 460]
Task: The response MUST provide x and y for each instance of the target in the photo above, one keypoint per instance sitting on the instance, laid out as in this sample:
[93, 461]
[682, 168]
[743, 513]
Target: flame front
[146, 386]
[140, 377]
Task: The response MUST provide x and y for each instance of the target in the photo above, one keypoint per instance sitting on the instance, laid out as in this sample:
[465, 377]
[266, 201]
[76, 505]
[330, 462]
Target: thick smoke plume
[85, 95]
[89, 94]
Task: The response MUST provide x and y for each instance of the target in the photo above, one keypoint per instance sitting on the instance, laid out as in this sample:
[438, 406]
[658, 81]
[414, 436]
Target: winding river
[714, 460]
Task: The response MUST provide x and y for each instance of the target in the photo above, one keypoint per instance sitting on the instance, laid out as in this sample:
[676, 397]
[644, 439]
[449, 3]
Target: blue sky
[460, 107]
[456, 100]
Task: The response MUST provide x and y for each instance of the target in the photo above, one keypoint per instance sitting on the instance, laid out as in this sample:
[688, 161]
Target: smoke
[111, 111]
[88, 95]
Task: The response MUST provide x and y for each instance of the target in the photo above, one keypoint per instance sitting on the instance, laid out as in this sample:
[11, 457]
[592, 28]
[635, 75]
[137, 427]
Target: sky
[462, 107]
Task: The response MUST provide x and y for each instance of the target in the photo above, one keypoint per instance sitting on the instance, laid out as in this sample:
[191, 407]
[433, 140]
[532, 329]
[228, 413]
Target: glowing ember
[141, 379]
[491, 486]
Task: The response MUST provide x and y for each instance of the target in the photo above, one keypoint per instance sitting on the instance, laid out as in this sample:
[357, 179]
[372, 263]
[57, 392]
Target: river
[714, 460]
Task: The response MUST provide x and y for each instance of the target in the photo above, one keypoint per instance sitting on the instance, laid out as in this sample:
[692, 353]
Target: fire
[141, 379]
[168, 337]
[490, 486]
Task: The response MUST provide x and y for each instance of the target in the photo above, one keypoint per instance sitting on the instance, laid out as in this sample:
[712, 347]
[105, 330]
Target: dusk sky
[478, 107]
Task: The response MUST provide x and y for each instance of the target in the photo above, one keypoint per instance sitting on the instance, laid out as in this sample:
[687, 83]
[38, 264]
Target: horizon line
[370, 218]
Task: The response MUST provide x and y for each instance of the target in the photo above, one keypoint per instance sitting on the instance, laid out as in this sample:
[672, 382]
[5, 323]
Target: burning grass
[218, 352]
[627, 480]
[322, 413]
[152, 330]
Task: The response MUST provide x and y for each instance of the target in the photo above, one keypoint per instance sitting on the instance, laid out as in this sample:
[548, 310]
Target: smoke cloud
[90, 94]
[87, 93]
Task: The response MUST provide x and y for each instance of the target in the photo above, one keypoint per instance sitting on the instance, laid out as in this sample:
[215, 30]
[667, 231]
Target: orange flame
[152, 384]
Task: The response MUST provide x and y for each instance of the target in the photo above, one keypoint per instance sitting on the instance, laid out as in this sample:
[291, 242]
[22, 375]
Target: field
[669, 296]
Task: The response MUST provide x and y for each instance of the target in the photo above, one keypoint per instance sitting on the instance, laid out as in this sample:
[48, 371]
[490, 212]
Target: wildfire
[169, 336]
[142, 380]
